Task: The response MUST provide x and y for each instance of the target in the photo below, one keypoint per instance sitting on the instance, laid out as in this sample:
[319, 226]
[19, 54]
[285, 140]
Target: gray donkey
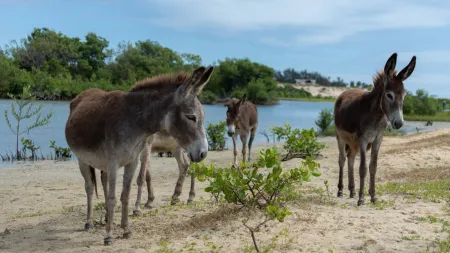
[109, 130]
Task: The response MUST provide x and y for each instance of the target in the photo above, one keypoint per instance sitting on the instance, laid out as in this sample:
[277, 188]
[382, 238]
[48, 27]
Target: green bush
[325, 119]
[421, 104]
[216, 135]
[298, 143]
[207, 97]
[261, 91]
[254, 190]
[238, 93]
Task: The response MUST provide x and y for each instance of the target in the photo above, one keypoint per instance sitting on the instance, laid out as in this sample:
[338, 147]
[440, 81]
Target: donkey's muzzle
[397, 124]
[198, 157]
[230, 133]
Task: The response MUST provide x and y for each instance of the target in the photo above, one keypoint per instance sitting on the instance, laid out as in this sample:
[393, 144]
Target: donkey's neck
[374, 101]
[149, 110]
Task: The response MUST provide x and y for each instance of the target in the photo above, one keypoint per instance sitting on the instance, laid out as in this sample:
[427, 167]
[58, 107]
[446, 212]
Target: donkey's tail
[94, 179]
[347, 149]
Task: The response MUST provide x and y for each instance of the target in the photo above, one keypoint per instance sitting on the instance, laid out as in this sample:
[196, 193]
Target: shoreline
[256, 146]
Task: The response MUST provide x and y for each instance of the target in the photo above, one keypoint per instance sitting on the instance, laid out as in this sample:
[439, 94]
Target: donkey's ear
[407, 71]
[186, 88]
[198, 87]
[390, 65]
[244, 98]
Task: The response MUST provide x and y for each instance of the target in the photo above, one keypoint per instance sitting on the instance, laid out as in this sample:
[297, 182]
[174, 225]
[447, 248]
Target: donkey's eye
[389, 96]
[191, 117]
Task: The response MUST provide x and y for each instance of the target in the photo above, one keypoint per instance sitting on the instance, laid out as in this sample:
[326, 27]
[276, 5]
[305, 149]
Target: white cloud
[317, 21]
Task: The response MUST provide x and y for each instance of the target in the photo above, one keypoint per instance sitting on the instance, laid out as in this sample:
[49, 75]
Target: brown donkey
[108, 130]
[242, 118]
[361, 118]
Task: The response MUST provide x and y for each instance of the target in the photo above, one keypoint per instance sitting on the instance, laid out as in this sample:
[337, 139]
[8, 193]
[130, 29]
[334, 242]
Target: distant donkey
[361, 118]
[242, 119]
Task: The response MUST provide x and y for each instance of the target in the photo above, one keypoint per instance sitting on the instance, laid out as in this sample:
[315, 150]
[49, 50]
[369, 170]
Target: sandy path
[43, 209]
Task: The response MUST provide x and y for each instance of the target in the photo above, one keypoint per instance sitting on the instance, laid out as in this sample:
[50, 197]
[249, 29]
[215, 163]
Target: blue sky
[347, 38]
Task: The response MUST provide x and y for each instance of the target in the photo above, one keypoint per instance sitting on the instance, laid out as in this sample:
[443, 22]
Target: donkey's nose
[203, 155]
[398, 124]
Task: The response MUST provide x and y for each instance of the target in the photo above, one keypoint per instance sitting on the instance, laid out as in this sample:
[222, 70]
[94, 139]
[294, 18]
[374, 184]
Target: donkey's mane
[379, 77]
[160, 82]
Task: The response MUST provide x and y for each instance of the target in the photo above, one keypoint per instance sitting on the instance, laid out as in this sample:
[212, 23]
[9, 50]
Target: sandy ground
[324, 91]
[43, 209]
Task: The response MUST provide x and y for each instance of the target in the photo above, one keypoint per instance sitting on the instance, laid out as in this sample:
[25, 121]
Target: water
[299, 114]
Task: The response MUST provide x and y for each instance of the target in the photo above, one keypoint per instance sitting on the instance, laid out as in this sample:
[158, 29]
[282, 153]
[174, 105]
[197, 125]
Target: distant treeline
[58, 67]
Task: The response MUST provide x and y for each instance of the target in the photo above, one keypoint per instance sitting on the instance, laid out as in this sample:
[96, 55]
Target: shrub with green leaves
[28, 144]
[325, 119]
[252, 188]
[60, 152]
[216, 135]
[298, 143]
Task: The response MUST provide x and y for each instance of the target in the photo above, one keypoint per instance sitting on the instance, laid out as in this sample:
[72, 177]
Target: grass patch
[434, 191]
[27, 215]
[381, 205]
[411, 237]
[422, 174]
[439, 116]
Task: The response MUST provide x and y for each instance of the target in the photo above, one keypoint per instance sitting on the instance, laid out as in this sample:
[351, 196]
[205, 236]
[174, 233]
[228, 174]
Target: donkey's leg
[192, 190]
[362, 170]
[341, 148]
[104, 178]
[144, 157]
[182, 168]
[250, 142]
[89, 187]
[351, 175]
[113, 167]
[235, 151]
[151, 196]
[373, 166]
[244, 136]
[125, 197]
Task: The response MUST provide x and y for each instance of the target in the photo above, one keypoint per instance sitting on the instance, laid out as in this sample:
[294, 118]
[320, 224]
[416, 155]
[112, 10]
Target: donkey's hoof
[148, 206]
[88, 226]
[190, 202]
[374, 200]
[360, 202]
[352, 194]
[107, 241]
[340, 194]
[136, 213]
[127, 235]
[174, 201]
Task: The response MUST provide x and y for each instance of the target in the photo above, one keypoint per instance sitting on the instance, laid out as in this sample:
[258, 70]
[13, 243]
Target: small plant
[216, 135]
[24, 110]
[29, 145]
[325, 119]
[252, 189]
[299, 143]
[265, 134]
[60, 152]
